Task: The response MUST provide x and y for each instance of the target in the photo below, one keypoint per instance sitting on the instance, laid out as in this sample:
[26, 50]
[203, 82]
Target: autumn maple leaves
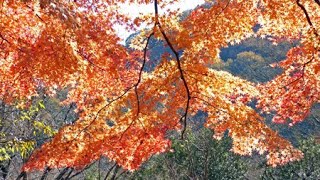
[106, 81]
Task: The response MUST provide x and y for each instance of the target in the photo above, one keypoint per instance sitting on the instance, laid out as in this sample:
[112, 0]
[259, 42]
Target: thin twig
[35, 13]
[97, 114]
[68, 111]
[224, 8]
[3, 38]
[137, 84]
[87, 57]
[12, 44]
[124, 171]
[301, 76]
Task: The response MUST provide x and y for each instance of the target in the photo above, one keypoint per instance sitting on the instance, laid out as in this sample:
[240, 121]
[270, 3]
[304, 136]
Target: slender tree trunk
[109, 171]
[45, 173]
[115, 172]
[64, 171]
[22, 175]
[69, 174]
[206, 163]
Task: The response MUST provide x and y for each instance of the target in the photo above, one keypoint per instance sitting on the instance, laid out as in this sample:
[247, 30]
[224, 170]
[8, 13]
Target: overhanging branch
[140, 72]
[307, 16]
[184, 117]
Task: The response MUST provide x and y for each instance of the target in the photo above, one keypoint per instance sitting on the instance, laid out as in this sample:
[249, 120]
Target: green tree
[197, 157]
[307, 168]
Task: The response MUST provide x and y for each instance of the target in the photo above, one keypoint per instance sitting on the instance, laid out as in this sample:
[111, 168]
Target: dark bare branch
[22, 175]
[140, 73]
[69, 174]
[88, 58]
[301, 76]
[68, 111]
[62, 173]
[45, 173]
[123, 172]
[35, 13]
[99, 111]
[3, 38]
[139, 80]
[109, 171]
[307, 17]
[115, 172]
[184, 116]
[79, 172]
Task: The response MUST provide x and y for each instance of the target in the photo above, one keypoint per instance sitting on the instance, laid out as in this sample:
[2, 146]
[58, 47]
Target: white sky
[133, 10]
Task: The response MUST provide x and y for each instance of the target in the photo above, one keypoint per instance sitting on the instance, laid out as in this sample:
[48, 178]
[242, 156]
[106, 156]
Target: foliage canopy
[124, 111]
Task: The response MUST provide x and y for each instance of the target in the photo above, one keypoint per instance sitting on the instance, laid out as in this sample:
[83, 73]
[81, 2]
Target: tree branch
[97, 114]
[139, 80]
[12, 44]
[22, 175]
[135, 86]
[307, 16]
[115, 172]
[87, 57]
[35, 13]
[68, 175]
[45, 173]
[79, 172]
[124, 171]
[140, 72]
[184, 116]
[301, 76]
[68, 111]
[64, 171]
[109, 171]
[3, 38]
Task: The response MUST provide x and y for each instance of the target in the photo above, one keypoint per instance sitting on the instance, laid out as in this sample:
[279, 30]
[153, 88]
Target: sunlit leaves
[124, 111]
[292, 94]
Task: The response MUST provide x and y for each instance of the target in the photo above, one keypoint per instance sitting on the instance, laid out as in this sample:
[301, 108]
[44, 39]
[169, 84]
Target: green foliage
[251, 59]
[307, 168]
[92, 173]
[12, 146]
[197, 157]
[270, 51]
[38, 126]
[249, 65]
[23, 146]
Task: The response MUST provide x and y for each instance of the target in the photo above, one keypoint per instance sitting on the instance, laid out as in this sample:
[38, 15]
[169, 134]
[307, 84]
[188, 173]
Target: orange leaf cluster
[126, 112]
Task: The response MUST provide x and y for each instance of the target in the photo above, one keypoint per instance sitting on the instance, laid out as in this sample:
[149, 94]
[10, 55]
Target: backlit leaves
[126, 112]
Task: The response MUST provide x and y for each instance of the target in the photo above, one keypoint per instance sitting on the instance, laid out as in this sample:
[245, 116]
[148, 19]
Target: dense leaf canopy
[126, 112]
